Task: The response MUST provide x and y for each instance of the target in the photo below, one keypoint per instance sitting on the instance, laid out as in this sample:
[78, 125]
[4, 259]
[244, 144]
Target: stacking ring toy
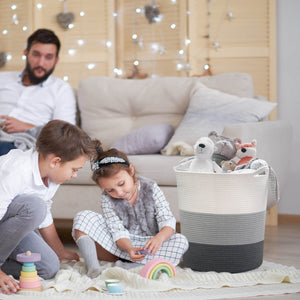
[153, 267]
[29, 279]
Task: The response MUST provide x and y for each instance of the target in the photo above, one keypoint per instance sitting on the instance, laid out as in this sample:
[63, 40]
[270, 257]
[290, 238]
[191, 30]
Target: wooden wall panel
[247, 43]
[94, 28]
[156, 42]
[257, 67]
[13, 36]
[80, 61]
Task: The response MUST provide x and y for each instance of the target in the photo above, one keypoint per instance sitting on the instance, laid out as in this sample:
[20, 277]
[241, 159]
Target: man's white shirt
[37, 104]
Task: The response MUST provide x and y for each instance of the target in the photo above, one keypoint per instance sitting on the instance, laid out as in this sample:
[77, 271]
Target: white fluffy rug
[71, 282]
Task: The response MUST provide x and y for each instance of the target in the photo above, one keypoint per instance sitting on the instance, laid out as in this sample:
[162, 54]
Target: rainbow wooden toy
[153, 267]
[29, 279]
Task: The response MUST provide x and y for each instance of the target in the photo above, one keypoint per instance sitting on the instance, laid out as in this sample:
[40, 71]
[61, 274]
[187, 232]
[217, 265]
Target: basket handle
[185, 160]
[261, 171]
[182, 162]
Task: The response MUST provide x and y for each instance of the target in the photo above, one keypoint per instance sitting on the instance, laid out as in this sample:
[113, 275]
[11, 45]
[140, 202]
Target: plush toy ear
[237, 142]
[253, 143]
[213, 133]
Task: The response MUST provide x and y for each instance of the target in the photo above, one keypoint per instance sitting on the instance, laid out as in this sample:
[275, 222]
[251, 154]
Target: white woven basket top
[222, 193]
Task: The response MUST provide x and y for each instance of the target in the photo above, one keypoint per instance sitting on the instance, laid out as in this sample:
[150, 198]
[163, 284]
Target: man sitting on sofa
[34, 97]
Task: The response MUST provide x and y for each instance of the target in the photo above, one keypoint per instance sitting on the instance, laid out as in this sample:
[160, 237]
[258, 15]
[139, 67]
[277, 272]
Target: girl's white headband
[108, 161]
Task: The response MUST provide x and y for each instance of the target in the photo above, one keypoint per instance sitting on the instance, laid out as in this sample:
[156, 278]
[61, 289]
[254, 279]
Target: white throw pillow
[234, 83]
[210, 109]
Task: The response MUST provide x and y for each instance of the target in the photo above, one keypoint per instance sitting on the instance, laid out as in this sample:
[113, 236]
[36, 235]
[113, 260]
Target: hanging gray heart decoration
[151, 13]
[65, 19]
[2, 59]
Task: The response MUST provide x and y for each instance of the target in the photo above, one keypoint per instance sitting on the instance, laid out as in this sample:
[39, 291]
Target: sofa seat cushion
[155, 166]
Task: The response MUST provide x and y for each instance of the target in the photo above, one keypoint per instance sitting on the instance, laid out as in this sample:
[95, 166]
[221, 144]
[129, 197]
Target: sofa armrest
[274, 141]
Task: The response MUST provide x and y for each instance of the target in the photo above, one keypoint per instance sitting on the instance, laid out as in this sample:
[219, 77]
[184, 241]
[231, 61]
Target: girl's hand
[8, 284]
[154, 244]
[70, 255]
[125, 244]
[135, 255]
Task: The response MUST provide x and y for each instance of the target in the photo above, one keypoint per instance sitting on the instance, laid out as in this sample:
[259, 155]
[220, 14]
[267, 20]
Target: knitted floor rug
[71, 282]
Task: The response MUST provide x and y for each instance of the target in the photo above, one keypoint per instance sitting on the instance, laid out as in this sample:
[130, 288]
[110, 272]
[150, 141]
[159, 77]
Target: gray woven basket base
[220, 258]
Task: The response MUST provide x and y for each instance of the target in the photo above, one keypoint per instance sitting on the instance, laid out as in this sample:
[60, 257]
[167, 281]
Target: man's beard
[33, 78]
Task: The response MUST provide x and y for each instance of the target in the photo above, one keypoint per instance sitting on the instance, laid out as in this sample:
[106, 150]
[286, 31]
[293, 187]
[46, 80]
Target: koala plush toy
[225, 148]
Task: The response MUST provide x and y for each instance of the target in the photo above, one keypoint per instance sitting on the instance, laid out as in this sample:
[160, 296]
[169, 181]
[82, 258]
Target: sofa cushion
[111, 108]
[234, 83]
[210, 109]
[148, 139]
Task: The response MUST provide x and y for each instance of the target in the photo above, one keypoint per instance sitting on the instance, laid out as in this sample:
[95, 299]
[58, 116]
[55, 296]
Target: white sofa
[111, 108]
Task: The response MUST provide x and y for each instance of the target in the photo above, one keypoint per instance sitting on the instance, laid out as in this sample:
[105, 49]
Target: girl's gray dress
[139, 223]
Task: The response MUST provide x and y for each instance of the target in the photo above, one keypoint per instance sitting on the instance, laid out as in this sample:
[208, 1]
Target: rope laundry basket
[223, 217]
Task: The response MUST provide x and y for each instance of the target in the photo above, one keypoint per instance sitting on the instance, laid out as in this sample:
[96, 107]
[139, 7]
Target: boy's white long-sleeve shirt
[20, 174]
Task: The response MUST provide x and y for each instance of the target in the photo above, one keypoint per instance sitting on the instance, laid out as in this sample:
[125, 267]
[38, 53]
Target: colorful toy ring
[153, 267]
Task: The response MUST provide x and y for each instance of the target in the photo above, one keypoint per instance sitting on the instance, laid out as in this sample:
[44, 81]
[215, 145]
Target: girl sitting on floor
[136, 219]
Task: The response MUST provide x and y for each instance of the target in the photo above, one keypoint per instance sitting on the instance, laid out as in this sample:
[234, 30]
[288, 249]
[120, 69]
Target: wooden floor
[282, 245]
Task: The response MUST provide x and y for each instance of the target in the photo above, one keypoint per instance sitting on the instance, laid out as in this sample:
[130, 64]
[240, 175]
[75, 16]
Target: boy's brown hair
[65, 140]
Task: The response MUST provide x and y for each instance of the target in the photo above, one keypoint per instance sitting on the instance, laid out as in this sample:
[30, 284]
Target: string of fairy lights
[151, 11]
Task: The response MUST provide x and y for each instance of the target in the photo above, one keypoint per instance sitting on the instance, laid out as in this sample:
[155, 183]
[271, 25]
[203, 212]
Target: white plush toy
[202, 162]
